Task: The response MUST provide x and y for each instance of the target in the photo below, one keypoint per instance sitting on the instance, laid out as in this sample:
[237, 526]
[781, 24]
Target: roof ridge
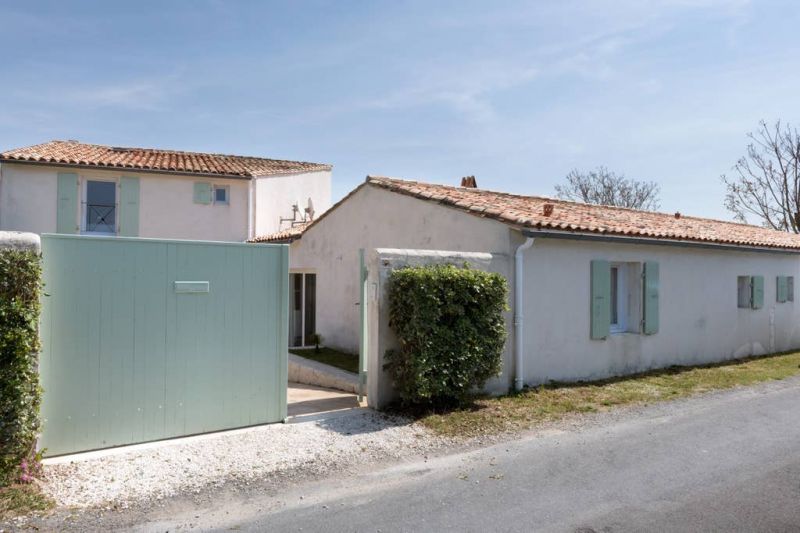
[568, 202]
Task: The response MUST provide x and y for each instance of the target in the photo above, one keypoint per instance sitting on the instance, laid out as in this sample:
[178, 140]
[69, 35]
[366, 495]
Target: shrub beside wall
[450, 327]
[20, 394]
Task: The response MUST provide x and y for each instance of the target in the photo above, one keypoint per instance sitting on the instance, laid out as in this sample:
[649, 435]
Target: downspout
[251, 198]
[519, 263]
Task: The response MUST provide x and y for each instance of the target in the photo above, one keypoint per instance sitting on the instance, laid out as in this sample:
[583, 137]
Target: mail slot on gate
[185, 287]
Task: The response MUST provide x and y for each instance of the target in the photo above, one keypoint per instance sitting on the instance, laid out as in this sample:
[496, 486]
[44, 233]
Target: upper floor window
[100, 207]
[221, 193]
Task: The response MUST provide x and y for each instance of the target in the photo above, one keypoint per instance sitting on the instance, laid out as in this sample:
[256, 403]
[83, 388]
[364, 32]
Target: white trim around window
[619, 297]
[302, 308]
[85, 205]
[226, 192]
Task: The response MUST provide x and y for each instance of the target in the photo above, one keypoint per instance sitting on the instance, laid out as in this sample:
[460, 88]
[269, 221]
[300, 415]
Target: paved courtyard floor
[309, 399]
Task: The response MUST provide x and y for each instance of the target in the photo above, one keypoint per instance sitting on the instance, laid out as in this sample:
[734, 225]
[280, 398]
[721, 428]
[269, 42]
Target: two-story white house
[73, 187]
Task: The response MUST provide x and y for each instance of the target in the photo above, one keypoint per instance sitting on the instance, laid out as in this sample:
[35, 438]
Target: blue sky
[516, 93]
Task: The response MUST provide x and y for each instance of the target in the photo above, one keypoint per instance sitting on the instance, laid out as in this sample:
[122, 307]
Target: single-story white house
[73, 187]
[596, 291]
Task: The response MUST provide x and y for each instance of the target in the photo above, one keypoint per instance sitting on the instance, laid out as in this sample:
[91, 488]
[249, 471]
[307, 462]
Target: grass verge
[551, 402]
[16, 500]
[329, 356]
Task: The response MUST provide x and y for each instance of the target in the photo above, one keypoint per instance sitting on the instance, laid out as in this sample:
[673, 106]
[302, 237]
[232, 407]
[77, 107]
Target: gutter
[567, 235]
[519, 282]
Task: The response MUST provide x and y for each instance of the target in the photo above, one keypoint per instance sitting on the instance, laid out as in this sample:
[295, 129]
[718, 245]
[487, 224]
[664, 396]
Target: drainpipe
[519, 263]
[250, 208]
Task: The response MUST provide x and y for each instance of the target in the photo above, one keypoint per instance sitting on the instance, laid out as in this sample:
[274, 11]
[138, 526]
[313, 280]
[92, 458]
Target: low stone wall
[380, 262]
[308, 372]
[18, 240]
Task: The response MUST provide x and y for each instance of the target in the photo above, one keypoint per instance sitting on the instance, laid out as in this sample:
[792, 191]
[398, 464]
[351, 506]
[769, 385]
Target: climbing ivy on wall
[20, 393]
[451, 331]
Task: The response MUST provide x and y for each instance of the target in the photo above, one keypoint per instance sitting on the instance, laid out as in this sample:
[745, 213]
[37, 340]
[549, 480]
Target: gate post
[363, 274]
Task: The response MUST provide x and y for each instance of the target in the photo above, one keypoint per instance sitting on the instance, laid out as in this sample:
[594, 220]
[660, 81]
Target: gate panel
[126, 358]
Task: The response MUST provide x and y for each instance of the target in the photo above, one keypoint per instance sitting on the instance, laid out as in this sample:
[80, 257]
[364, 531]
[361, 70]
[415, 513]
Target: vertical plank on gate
[281, 336]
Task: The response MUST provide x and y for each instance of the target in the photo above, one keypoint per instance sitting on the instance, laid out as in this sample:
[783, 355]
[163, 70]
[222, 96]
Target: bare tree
[765, 183]
[607, 188]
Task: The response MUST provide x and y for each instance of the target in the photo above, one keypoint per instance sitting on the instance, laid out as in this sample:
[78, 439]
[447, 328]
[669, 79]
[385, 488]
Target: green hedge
[20, 394]
[450, 327]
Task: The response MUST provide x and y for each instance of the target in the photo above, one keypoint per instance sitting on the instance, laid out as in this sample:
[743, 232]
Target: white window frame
[304, 342]
[84, 199]
[226, 188]
[621, 298]
[744, 292]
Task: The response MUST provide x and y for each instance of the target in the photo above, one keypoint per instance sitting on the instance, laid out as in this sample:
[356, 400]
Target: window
[100, 207]
[624, 298]
[303, 309]
[750, 292]
[744, 292]
[784, 289]
[221, 194]
[618, 298]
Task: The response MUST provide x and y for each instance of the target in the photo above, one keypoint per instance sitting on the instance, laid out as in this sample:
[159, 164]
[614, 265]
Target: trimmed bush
[450, 327]
[20, 394]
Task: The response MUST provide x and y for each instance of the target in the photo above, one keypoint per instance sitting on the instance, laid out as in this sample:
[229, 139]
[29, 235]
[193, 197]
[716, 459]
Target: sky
[515, 93]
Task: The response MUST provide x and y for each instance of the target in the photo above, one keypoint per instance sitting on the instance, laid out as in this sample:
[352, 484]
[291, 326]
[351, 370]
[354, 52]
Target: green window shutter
[650, 305]
[67, 215]
[601, 299]
[202, 193]
[758, 292]
[790, 288]
[129, 206]
[781, 289]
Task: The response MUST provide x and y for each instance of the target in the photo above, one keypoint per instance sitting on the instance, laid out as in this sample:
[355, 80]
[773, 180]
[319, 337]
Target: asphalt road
[723, 462]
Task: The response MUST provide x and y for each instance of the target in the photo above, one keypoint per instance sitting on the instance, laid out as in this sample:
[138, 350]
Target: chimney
[469, 182]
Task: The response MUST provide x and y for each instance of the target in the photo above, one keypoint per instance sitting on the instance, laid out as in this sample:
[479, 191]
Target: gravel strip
[313, 447]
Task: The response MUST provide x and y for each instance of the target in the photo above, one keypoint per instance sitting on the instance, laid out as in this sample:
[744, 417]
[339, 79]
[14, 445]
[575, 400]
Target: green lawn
[524, 410]
[329, 356]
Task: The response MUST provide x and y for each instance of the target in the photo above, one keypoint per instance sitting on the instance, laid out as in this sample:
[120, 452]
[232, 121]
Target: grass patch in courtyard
[329, 356]
[16, 500]
[551, 402]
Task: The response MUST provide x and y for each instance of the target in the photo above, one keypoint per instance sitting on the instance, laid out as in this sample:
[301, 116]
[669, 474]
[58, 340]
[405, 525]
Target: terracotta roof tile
[528, 212]
[94, 155]
[284, 236]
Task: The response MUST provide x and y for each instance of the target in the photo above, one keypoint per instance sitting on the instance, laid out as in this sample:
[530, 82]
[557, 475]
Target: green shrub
[20, 394]
[450, 327]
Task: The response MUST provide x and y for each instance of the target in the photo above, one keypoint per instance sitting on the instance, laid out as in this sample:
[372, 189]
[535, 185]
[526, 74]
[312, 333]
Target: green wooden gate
[146, 339]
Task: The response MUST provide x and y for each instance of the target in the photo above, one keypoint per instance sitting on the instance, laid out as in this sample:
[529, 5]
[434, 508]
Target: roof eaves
[322, 168]
[105, 166]
[655, 240]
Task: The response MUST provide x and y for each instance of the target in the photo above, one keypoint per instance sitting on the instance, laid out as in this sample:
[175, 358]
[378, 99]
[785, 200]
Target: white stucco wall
[167, 209]
[699, 318]
[274, 196]
[27, 198]
[28, 201]
[375, 218]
